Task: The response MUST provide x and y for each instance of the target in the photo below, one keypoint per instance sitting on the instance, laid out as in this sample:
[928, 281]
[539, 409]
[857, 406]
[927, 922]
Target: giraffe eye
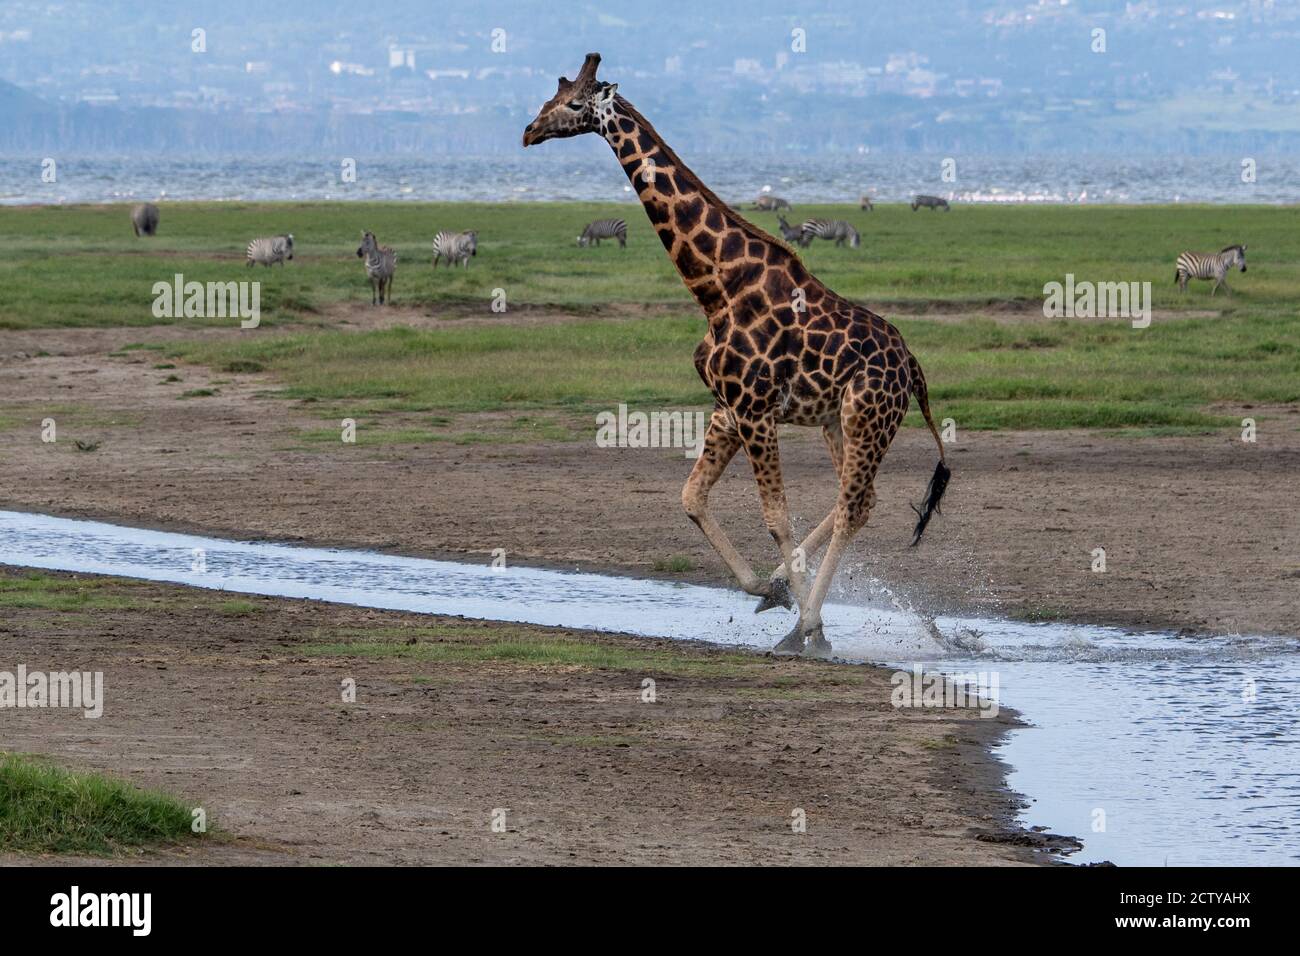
[575, 104]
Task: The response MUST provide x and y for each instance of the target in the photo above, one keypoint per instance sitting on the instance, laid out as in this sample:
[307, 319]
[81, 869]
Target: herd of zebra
[381, 261]
[835, 230]
[458, 247]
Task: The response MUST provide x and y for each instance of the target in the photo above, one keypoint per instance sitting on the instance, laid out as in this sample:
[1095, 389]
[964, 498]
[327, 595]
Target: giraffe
[780, 348]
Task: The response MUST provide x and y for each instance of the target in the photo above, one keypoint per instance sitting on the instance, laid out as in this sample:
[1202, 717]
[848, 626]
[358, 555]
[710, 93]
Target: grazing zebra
[791, 233]
[769, 203]
[381, 263]
[144, 219]
[836, 229]
[270, 251]
[865, 203]
[929, 202]
[604, 229]
[1209, 265]
[454, 247]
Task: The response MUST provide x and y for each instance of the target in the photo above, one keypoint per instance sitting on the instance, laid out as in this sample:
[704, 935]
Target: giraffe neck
[696, 228]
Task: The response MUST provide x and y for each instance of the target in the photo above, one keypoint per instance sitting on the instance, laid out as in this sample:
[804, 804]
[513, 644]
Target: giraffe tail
[939, 480]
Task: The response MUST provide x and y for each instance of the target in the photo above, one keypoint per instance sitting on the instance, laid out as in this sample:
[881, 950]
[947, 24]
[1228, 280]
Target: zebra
[791, 233]
[865, 203]
[604, 229]
[144, 219]
[270, 251]
[768, 203]
[381, 263]
[836, 229]
[930, 202]
[1201, 265]
[454, 247]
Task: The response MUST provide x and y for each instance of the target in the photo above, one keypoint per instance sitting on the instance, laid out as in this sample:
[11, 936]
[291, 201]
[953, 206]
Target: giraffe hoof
[818, 647]
[791, 645]
[778, 595]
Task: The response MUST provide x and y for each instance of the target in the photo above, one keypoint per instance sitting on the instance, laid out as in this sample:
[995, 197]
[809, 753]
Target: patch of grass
[238, 608]
[46, 592]
[199, 393]
[46, 809]
[243, 365]
[518, 645]
[530, 652]
[676, 564]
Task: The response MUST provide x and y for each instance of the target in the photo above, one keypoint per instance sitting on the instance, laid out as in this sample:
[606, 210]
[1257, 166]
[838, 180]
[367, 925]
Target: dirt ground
[1200, 533]
[234, 711]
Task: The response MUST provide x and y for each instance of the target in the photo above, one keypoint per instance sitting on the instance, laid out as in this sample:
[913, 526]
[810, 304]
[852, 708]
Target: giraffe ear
[606, 92]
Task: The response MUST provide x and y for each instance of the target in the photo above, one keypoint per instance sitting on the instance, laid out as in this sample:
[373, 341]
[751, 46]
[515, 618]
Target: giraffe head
[574, 109]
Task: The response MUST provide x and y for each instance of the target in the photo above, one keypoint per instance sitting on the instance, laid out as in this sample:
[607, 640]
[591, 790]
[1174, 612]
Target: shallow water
[1187, 746]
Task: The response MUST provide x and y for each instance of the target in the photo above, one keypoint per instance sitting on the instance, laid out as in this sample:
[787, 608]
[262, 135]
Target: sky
[769, 74]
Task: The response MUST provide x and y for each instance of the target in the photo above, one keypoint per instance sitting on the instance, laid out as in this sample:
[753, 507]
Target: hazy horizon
[832, 78]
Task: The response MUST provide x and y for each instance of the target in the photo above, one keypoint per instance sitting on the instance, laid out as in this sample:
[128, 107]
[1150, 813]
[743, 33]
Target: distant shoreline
[582, 174]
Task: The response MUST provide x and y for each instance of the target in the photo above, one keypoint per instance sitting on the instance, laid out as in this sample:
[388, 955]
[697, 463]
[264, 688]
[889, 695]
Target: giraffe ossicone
[780, 348]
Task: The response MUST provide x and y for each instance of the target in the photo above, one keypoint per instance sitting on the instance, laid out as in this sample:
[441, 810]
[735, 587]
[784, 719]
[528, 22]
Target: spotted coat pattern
[780, 348]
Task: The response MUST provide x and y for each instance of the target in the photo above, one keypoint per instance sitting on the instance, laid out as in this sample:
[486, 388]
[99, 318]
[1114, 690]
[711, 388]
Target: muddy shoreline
[238, 711]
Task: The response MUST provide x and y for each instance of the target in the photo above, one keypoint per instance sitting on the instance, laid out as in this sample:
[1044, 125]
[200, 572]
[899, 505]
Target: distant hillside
[15, 102]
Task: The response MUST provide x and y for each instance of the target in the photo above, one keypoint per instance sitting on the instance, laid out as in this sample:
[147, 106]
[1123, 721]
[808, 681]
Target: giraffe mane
[741, 222]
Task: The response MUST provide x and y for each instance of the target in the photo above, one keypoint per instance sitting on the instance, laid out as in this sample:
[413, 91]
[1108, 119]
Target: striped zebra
[769, 203]
[836, 229]
[270, 251]
[144, 219]
[604, 229]
[929, 202]
[1209, 265]
[454, 247]
[865, 203]
[381, 264]
[790, 233]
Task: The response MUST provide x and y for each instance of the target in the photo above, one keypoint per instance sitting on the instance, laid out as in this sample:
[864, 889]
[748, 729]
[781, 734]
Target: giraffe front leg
[760, 440]
[721, 442]
[779, 588]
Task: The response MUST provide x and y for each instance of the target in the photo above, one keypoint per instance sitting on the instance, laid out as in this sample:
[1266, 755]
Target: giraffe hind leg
[870, 420]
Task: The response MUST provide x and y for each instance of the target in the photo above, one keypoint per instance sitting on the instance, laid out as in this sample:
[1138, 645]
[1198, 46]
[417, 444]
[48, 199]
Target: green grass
[238, 607]
[449, 643]
[980, 260]
[982, 374]
[46, 809]
[80, 265]
[39, 591]
[675, 564]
